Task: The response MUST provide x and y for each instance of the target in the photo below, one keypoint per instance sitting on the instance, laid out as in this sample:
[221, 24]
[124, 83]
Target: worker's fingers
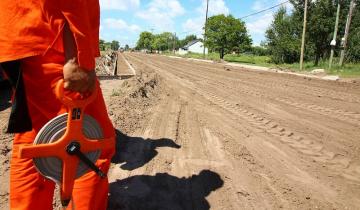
[78, 79]
[83, 87]
[80, 86]
[72, 85]
[68, 85]
[90, 81]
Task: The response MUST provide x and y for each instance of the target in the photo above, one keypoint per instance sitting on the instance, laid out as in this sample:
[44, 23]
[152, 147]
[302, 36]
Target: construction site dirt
[199, 135]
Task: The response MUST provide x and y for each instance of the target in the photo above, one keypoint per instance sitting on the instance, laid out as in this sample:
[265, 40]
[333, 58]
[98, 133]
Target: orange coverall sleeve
[83, 17]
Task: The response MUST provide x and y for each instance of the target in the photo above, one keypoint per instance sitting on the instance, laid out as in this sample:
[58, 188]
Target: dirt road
[227, 138]
[195, 135]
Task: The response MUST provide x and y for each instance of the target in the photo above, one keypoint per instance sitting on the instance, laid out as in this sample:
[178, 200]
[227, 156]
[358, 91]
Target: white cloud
[258, 5]
[119, 4]
[120, 24]
[195, 25]
[170, 7]
[264, 4]
[216, 7]
[260, 24]
[289, 7]
[160, 13]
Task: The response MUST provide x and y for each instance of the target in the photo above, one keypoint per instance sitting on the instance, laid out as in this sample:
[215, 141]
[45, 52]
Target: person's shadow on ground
[134, 152]
[163, 191]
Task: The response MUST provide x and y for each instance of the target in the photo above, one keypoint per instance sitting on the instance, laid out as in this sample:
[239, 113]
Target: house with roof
[195, 46]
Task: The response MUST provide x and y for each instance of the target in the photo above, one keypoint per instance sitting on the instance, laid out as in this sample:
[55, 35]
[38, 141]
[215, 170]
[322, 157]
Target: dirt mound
[106, 63]
[129, 104]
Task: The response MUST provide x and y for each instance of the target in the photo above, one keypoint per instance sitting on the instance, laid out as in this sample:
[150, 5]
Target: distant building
[195, 46]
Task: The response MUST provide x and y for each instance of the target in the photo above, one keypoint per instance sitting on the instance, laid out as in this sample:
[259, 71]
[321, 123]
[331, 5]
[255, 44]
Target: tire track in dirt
[264, 177]
[344, 165]
[310, 118]
[274, 128]
[194, 139]
[197, 152]
[221, 94]
[311, 87]
[347, 116]
[199, 81]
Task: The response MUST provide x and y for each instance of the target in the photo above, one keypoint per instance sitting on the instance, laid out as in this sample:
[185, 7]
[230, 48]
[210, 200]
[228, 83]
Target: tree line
[283, 37]
[226, 34]
[113, 45]
[165, 41]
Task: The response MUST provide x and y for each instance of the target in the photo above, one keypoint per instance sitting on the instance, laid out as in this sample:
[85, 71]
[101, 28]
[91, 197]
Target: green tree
[115, 45]
[259, 50]
[127, 47]
[163, 41]
[101, 45]
[284, 34]
[225, 34]
[187, 39]
[145, 41]
[353, 50]
[283, 41]
[107, 45]
[320, 26]
[155, 43]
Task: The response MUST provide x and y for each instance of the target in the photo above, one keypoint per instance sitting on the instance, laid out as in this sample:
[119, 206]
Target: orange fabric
[32, 27]
[28, 189]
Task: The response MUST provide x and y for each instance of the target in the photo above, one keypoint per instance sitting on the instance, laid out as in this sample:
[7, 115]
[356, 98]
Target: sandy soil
[5, 148]
[227, 138]
[193, 135]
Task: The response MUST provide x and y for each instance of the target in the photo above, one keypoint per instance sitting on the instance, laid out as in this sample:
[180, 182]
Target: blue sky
[123, 20]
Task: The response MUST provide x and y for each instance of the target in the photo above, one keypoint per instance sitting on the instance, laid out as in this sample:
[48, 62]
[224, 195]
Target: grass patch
[116, 93]
[348, 70]
[249, 59]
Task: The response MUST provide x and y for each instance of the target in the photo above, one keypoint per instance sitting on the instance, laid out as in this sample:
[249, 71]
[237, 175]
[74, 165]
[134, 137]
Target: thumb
[67, 84]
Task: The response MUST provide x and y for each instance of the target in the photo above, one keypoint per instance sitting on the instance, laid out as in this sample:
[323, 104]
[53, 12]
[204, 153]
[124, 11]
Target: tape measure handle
[59, 91]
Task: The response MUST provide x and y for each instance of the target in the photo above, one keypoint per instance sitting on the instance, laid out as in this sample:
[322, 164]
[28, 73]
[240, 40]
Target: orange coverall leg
[30, 190]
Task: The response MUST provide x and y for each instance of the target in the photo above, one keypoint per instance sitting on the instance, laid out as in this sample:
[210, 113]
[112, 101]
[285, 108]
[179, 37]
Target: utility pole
[174, 44]
[206, 17]
[333, 42]
[347, 28]
[303, 38]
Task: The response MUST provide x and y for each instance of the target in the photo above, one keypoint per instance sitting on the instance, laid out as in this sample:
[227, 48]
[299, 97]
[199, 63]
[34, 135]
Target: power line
[264, 10]
[246, 16]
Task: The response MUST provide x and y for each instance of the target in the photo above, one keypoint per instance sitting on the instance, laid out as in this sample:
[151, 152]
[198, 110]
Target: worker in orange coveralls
[42, 41]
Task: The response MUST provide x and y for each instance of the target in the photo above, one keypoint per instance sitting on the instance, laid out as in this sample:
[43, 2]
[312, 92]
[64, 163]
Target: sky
[124, 20]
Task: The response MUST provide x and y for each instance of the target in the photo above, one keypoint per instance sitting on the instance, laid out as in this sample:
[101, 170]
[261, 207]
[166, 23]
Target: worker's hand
[78, 79]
